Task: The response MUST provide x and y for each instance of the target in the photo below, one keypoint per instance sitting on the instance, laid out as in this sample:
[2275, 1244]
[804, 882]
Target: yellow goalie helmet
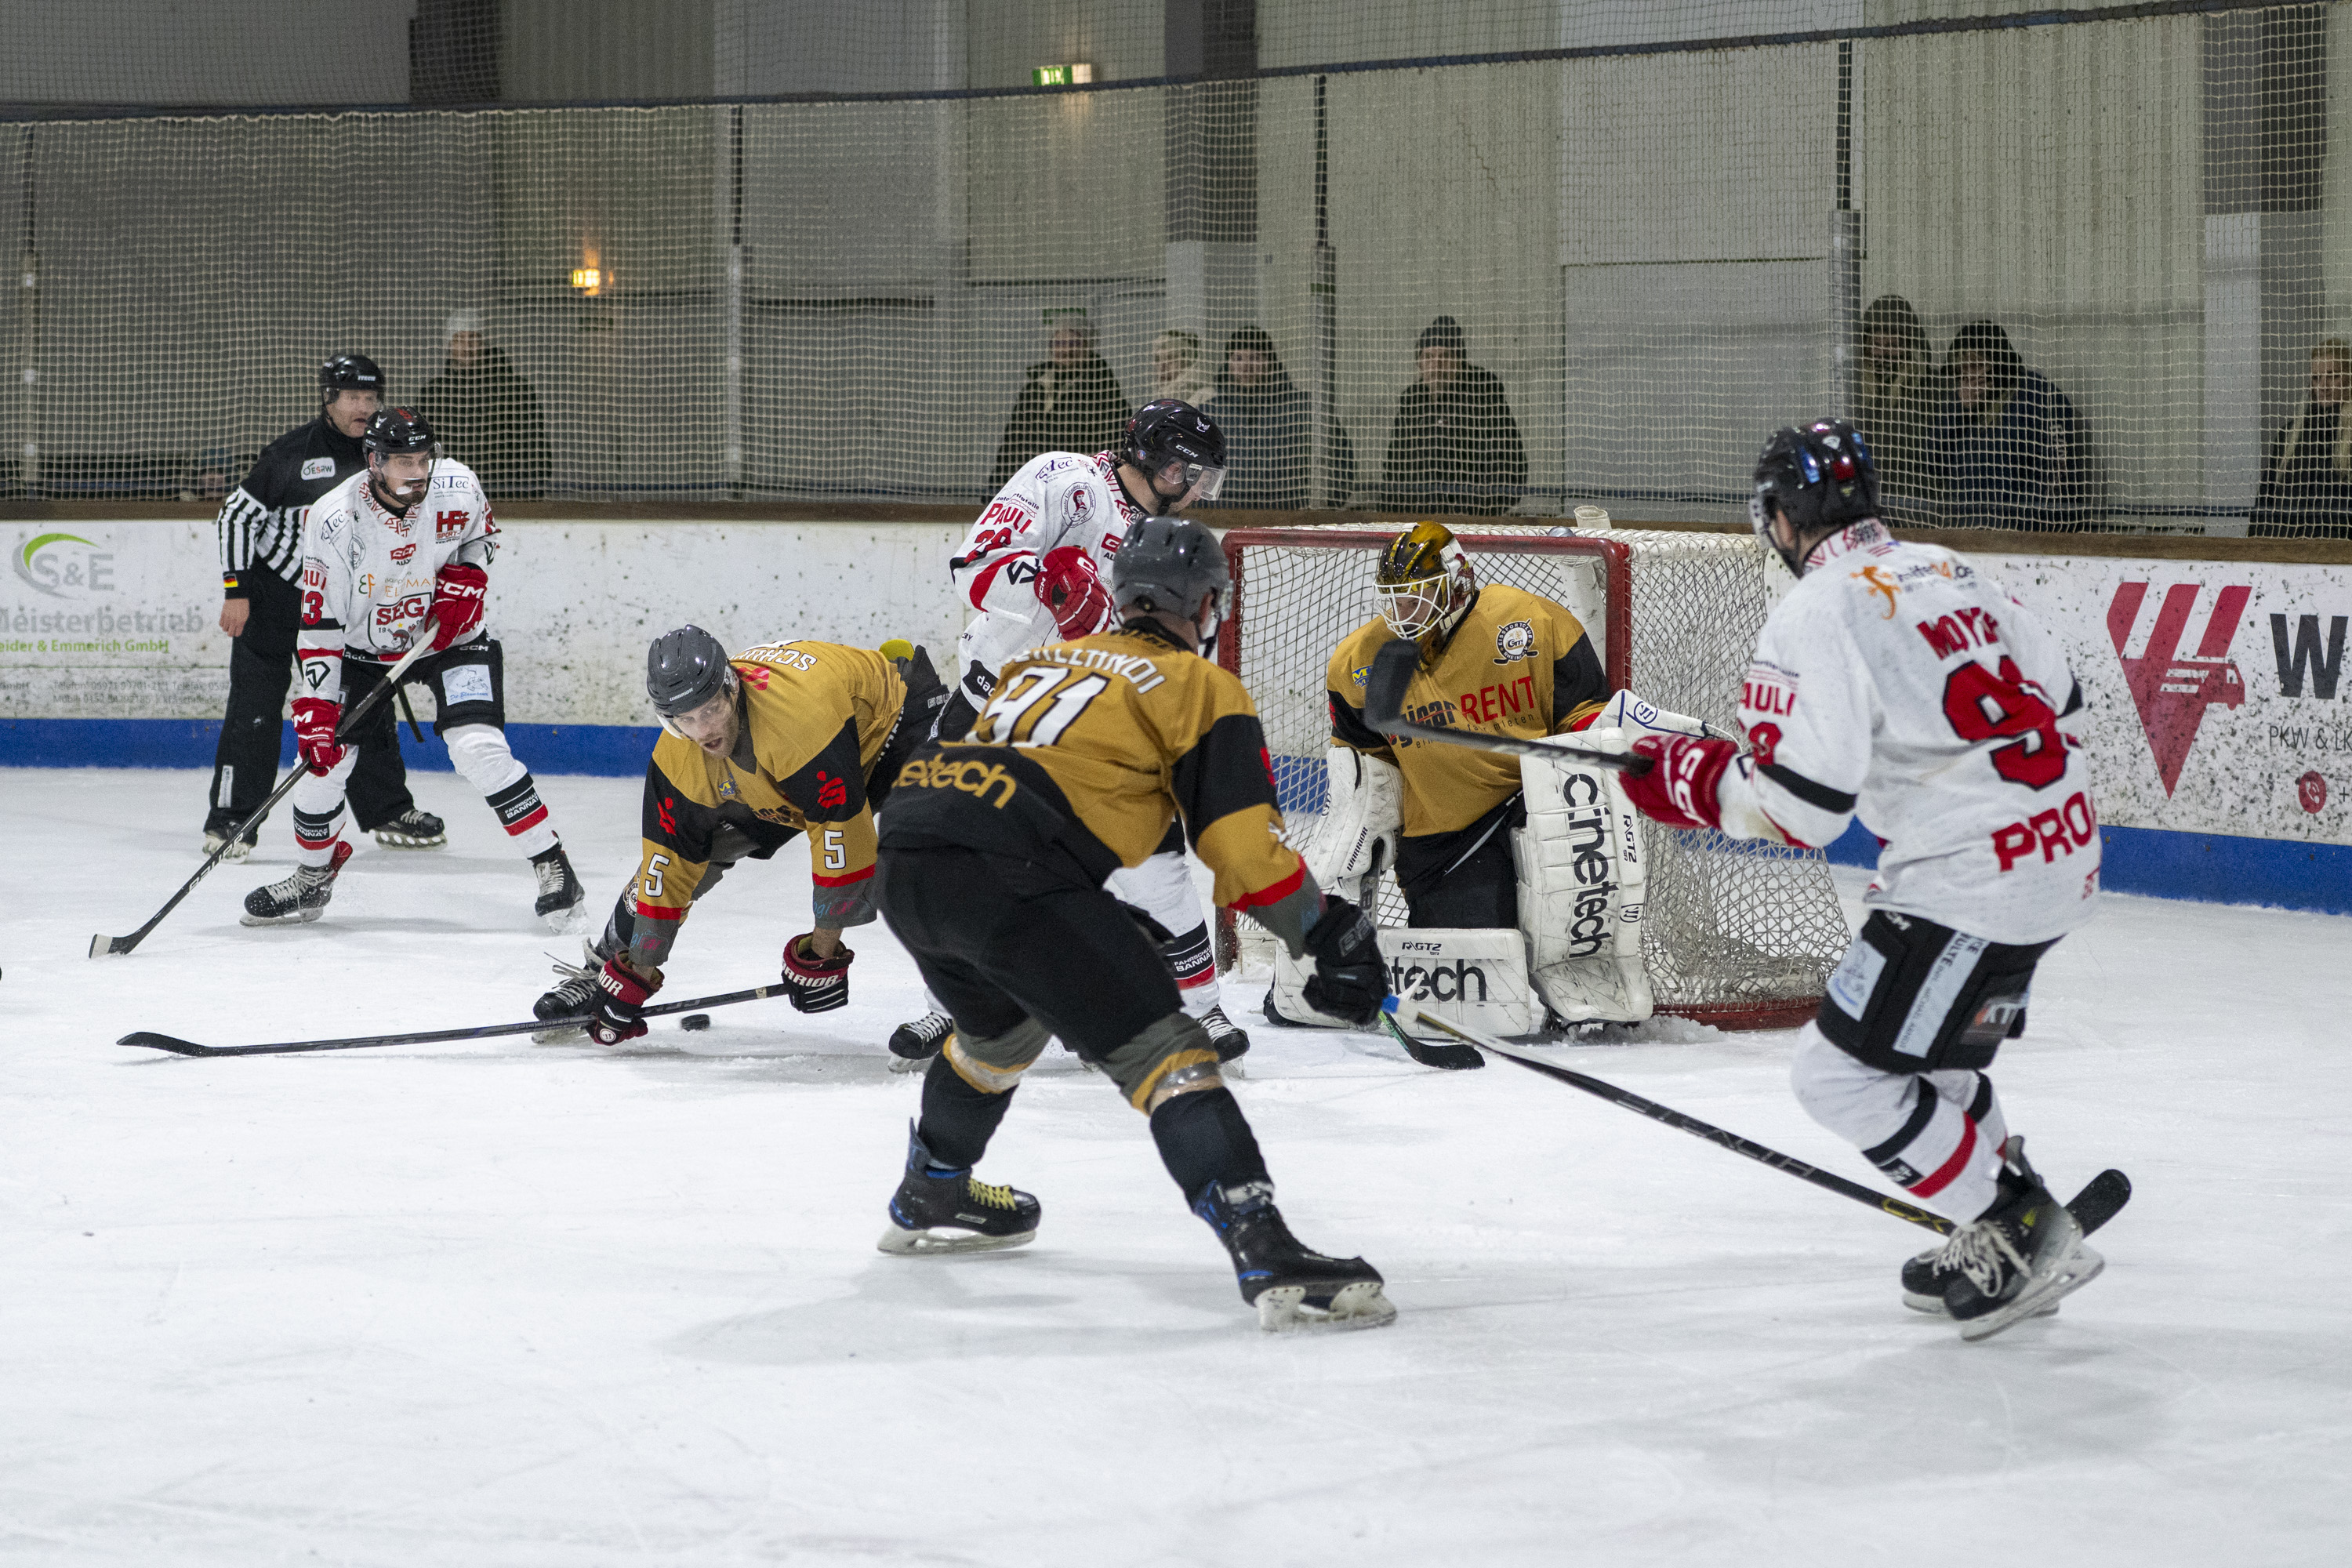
[1425, 586]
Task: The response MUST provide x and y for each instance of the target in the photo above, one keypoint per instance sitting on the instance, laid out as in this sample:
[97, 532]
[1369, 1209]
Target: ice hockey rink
[499, 1303]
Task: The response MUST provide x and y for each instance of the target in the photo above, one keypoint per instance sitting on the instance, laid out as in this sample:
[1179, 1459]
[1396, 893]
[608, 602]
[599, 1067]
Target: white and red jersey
[367, 574]
[1056, 500]
[1898, 683]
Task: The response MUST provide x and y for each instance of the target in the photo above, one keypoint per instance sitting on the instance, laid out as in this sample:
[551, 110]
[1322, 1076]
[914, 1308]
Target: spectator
[1899, 398]
[1455, 447]
[2006, 442]
[1268, 427]
[486, 416]
[1177, 371]
[1069, 402]
[2308, 482]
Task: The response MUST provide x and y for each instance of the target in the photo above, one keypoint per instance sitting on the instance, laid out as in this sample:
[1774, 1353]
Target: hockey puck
[695, 1021]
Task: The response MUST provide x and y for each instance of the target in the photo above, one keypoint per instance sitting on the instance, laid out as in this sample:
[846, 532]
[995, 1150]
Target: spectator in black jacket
[1267, 425]
[1455, 447]
[2307, 481]
[1901, 396]
[486, 416]
[260, 531]
[2008, 445]
[1069, 402]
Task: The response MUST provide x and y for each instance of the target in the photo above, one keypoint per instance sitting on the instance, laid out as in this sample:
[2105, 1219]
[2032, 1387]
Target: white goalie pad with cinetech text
[1581, 875]
[1476, 978]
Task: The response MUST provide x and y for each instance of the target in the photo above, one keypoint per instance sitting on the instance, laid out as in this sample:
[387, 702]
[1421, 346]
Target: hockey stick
[2106, 1192]
[1450, 1058]
[115, 946]
[1384, 691]
[487, 1031]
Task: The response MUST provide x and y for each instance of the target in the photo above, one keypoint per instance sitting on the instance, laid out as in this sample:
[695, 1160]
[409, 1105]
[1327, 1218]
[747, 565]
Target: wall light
[589, 280]
[1062, 76]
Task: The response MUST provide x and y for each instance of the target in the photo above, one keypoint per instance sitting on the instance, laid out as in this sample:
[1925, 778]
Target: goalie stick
[116, 946]
[1384, 691]
[2091, 1207]
[286, 1047]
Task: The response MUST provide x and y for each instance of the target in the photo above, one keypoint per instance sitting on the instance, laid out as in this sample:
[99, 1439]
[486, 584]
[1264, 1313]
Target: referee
[260, 527]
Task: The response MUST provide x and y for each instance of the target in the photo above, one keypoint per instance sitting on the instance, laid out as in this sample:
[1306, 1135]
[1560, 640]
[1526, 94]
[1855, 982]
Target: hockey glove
[1069, 584]
[1679, 787]
[816, 984]
[315, 719]
[1350, 978]
[621, 995]
[458, 593]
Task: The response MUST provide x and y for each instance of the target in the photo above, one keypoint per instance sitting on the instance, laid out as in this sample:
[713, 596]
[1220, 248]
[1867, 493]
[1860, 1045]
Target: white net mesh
[1737, 933]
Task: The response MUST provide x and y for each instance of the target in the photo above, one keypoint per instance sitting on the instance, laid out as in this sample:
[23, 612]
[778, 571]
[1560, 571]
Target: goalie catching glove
[621, 997]
[815, 984]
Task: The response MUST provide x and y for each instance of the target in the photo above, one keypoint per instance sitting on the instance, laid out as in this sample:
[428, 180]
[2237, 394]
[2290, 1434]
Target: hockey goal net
[1737, 934]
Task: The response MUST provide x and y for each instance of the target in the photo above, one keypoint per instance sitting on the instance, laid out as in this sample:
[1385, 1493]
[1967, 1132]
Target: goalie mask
[1425, 586]
[1821, 476]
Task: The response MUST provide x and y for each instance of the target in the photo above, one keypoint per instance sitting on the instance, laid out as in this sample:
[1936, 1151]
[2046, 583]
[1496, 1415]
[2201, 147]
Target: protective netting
[1734, 932]
[2067, 268]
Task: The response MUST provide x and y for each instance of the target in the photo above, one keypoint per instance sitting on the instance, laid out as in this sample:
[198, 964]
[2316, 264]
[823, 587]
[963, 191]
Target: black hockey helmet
[684, 669]
[1822, 476]
[1167, 563]
[349, 372]
[1169, 430]
[398, 431]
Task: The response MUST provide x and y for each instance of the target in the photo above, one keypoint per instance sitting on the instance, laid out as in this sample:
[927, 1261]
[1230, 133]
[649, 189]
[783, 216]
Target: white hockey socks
[480, 752]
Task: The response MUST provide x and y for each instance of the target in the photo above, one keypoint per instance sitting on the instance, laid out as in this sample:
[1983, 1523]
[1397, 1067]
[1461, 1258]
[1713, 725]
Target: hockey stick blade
[287, 1047]
[1452, 1059]
[1384, 691]
[115, 946]
[2101, 1199]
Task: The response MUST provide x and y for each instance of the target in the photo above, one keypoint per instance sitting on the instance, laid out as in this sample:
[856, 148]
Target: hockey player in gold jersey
[782, 740]
[992, 860]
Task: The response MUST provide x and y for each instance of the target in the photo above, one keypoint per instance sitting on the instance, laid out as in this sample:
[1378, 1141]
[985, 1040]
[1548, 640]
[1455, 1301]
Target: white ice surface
[495, 1303]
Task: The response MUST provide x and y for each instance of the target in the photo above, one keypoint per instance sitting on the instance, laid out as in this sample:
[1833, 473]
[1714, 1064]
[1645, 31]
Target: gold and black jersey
[816, 718]
[1085, 753]
[1519, 665]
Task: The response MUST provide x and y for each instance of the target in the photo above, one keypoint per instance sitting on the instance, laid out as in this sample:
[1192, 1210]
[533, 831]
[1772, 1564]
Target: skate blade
[1933, 1306]
[902, 1243]
[909, 1064]
[402, 841]
[2042, 1294]
[1284, 1309]
[300, 918]
[573, 921]
[563, 1035]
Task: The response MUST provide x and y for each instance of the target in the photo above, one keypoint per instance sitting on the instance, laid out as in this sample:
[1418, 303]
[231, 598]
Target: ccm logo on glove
[1069, 584]
[458, 593]
[1680, 787]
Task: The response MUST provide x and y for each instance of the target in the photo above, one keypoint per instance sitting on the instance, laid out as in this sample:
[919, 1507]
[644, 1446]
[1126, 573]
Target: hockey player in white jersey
[1036, 568]
[408, 536]
[1897, 682]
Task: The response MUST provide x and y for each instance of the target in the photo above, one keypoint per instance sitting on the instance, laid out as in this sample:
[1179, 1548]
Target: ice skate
[237, 850]
[1291, 1287]
[1230, 1040]
[946, 1211]
[562, 897]
[574, 997]
[912, 1046]
[300, 897]
[411, 829]
[1926, 1276]
[2019, 1258]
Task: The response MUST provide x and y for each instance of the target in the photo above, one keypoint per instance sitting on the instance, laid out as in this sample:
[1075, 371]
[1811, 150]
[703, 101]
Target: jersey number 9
[1984, 706]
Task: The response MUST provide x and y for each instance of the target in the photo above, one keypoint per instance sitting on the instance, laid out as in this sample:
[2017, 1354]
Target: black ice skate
[574, 997]
[2020, 1258]
[946, 1211]
[1230, 1040]
[914, 1045]
[300, 897]
[562, 898]
[1926, 1276]
[1291, 1287]
[412, 830]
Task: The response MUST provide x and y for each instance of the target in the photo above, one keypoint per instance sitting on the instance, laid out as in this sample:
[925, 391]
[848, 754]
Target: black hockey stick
[1451, 1059]
[115, 946]
[487, 1031]
[2106, 1192]
[1384, 691]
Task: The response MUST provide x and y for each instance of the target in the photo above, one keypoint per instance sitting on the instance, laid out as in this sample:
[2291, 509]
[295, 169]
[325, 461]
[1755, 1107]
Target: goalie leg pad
[1476, 978]
[1581, 873]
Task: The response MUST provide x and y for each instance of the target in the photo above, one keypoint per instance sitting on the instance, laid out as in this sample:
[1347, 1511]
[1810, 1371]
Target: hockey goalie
[1522, 877]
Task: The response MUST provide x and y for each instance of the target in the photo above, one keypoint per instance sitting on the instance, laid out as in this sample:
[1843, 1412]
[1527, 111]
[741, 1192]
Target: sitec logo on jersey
[2172, 690]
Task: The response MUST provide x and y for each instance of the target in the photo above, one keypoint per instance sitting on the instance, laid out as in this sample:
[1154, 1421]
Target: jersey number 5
[1019, 712]
[1984, 706]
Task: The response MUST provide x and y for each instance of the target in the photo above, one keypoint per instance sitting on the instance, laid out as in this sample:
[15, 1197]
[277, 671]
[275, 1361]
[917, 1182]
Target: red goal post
[1739, 935]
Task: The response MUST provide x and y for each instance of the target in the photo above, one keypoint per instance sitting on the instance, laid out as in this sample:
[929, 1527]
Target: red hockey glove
[817, 984]
[1069, 584]
[621, 995]
[315, 719]
[457, 595]
[1679, 789]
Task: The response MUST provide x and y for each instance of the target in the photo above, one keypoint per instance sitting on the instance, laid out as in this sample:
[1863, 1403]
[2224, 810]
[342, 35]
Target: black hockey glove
[1350, 978]
[816, 984]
